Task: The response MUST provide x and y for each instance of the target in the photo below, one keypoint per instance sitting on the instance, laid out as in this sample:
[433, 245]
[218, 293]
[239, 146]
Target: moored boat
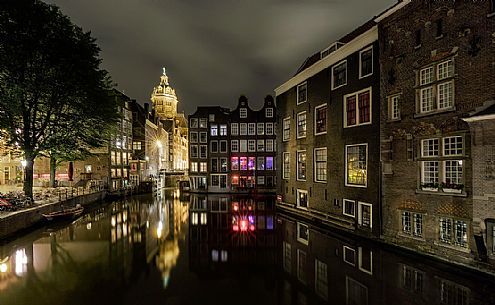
[65, 214]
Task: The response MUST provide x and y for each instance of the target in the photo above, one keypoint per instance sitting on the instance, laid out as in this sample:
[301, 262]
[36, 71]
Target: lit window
[301, 93]
[453, 231]
[320, 164]
[243, 145]
[269, 163]
[194, 166]
[412, 223]
[261, 163]
[366, 62]
[302, 198]
[356, 164]
[137, 145]
[251, 163]
[357, 108]
[261, 129]
[365, 215]
[321, 119]
[223, 130]
[286, 132]
[301, 125]
[243, 163]
[339, 75]
[301, 165]
[234, 163]
[286, 167]
[203, 167]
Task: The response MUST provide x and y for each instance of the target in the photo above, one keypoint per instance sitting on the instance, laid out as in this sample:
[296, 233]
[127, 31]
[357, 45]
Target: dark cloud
[213, 50]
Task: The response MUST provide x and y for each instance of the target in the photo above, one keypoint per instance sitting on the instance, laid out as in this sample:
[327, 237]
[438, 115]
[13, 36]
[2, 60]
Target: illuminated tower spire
[164, 98]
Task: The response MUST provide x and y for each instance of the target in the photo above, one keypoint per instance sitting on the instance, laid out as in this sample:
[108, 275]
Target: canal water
[181, 249]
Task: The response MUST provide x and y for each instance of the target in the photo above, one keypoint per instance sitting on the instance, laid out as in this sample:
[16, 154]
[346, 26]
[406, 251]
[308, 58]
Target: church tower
[164, 99]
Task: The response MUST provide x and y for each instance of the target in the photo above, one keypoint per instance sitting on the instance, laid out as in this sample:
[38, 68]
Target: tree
[53, 95]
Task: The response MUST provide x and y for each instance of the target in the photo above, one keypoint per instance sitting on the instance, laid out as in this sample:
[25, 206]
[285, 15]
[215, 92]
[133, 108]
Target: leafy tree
[53, 95]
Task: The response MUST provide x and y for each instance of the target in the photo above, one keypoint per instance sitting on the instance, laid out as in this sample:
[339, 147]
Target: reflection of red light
[236, 208]
[235, 228]
[251, 227]
[249, 208]
[244, 225]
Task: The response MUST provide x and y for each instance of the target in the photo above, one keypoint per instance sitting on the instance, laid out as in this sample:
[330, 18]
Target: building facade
[436, 68]
[165, 103]
[233, 151]
[328, 122]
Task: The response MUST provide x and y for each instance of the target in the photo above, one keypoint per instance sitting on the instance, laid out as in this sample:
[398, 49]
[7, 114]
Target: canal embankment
[27, 218]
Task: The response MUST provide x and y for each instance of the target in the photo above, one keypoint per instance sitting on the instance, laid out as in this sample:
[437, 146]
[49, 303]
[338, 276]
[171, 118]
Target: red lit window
[243, 163]
[364, 107]
[234, 163]
[351, 110]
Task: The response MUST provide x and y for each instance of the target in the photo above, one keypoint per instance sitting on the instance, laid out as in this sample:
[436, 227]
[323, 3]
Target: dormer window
[243, 113]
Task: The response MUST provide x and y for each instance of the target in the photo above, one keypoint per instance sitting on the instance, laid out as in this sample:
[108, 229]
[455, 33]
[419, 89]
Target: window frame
[347, 166]
[298, 178]
[361, 59]
[234, 129]
[269, 112]
[357, 108]
[284, 138]
[333, 75]
[344, 201]
[298, 237]
[305, 125]
[236, 145]
[285, 171]
[317, 108]
[305, 85]
[243, 113]
[298, 204]
[391, 111]
[315, 163]
[360, 216]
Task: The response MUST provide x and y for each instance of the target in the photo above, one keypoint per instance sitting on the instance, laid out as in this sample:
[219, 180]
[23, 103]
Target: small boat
[65, 214]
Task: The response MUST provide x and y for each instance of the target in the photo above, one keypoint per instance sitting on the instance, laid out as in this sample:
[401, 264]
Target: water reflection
[218, 249]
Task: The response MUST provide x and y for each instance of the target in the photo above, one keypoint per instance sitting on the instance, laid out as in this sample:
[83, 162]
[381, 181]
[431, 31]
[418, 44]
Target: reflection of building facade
[233, 151]
[164, 101]
[329, 134]
[231, 233]
[321, 266]
[11, 171]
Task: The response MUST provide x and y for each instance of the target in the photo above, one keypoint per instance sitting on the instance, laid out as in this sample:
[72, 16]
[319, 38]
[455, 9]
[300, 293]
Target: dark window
[492, 6]
[418, 37]
[439, 28]
[351, 110]
[366, 62]
[340, 75]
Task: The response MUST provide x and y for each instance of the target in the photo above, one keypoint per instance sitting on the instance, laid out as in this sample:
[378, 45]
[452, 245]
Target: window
[339, 75]
[261, 180]
[203, 151]
[251, 163]
[417, 38]
[321, 119]
[394, 107]
[301, 165]
[251, 145]
[269, 145]
[243, 113]
[203, 167]
[364, 215]
[269, 112]
[261, 145]
[301, 124]
[321, 279]
[214, 165]
[356, 293]
[302, 233]
[252, 129]
[442, 164]
[357, 108]
[223, 165]
[223, 146]
[302, 198]
[286, 132]
[412, 279]
[137, 145]
[193, 137]
[214, 146]
[452, 293]
[269, 163]
[269, 128]
[453, 231]
[287, 257]
[320, 164]
[194, 151]
[234, 129]
[234, 145]
[301, 266]
[261, 163]
[286, 166]
[194, 166]
[194, 123]
[439, 28]
[261, 129]
[436, 90]
[223, 130]
[234, 163]
[356, 165]
[243, 163]
[365, 260]
[202, 123]
[203, 137]
[243, 145]
[412, 223]
[302, 93]
[349, 255]
[243, 131]
[366, 62]
[349, 207]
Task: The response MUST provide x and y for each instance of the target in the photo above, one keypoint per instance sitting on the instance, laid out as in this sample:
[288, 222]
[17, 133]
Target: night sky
[213, 51]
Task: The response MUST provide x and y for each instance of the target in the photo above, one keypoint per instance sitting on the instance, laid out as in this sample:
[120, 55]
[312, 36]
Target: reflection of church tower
[164, 99]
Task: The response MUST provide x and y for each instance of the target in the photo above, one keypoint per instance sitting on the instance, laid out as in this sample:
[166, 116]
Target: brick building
[436, 62]
[328, 122]
[233, 151]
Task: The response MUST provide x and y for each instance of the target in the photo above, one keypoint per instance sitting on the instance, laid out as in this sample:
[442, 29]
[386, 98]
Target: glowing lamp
[23, 163]
[244, 225]
[235, 228]
[251, 227]
[3, 267]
